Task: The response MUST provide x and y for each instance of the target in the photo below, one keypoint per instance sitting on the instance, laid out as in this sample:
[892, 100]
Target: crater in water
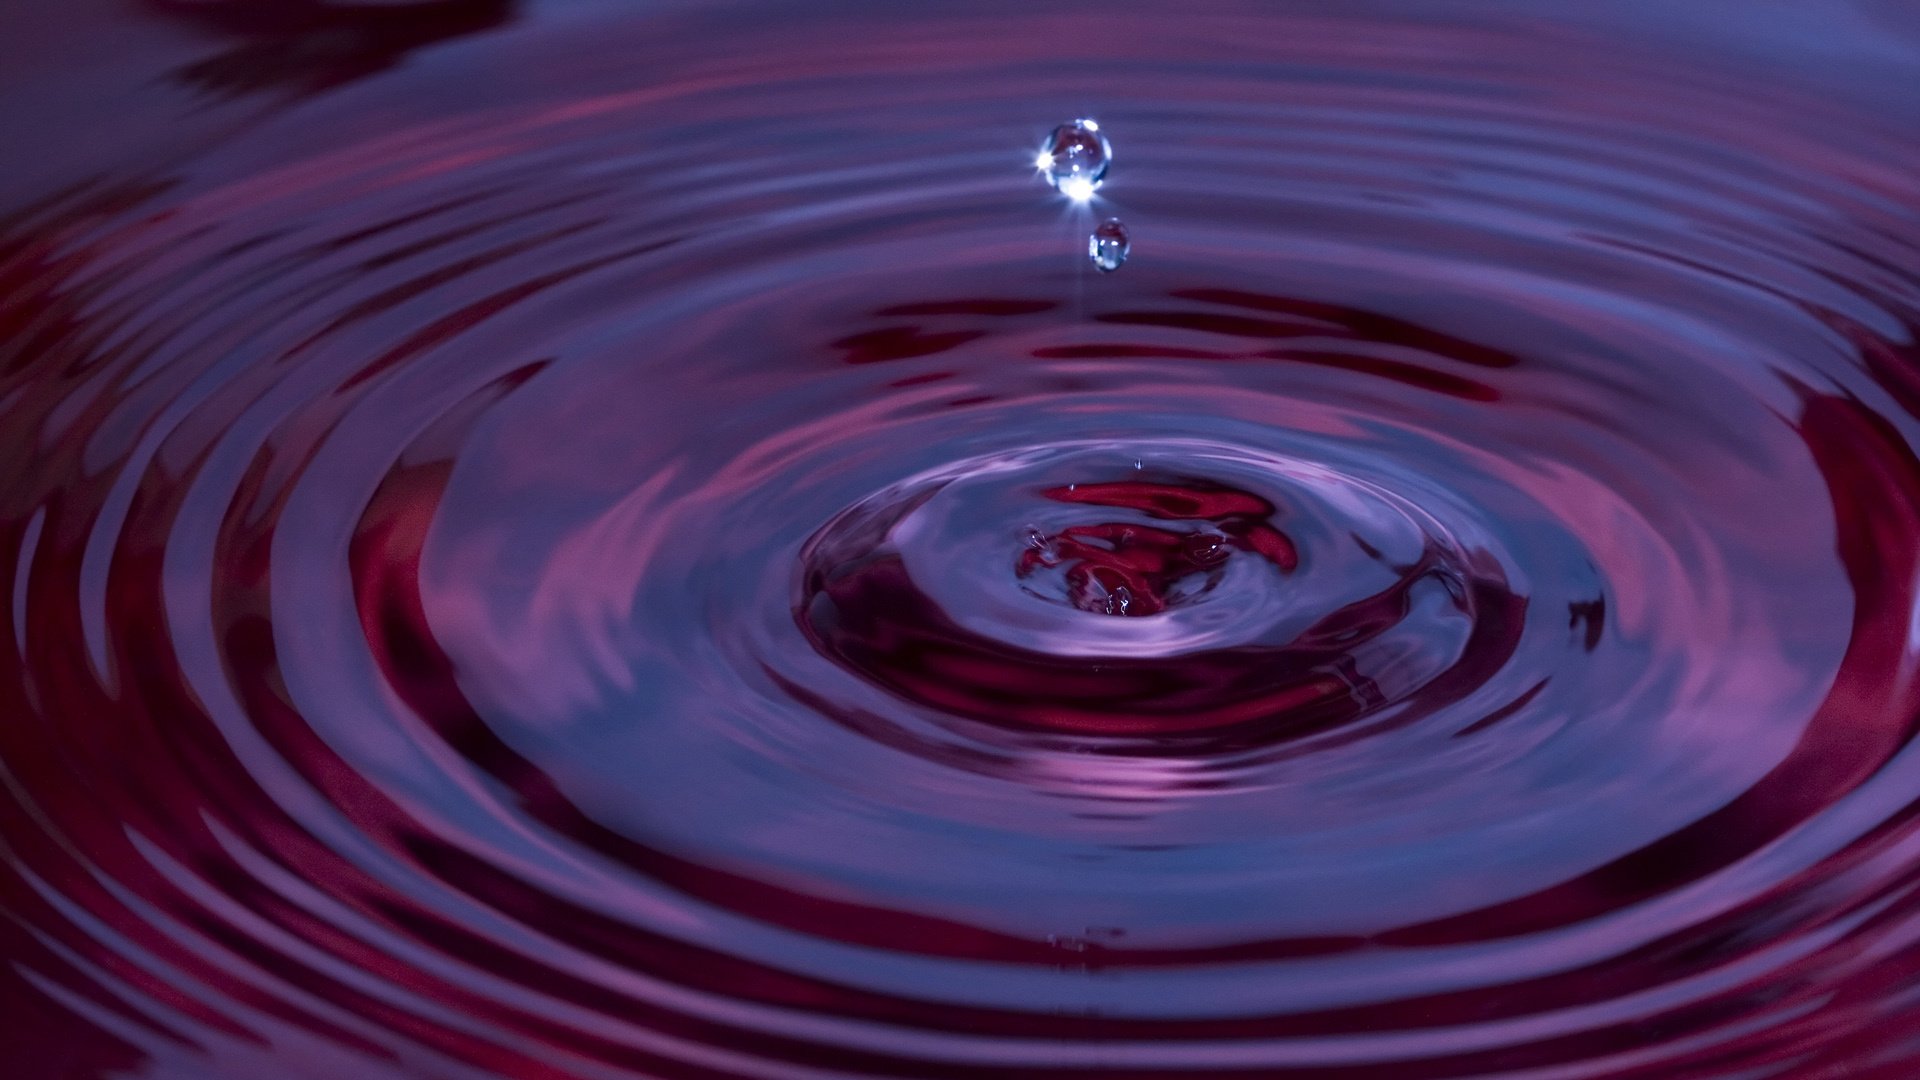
[1226, 625]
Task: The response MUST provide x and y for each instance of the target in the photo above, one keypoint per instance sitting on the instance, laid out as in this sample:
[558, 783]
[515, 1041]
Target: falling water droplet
[1075, 159]
[1109, 244]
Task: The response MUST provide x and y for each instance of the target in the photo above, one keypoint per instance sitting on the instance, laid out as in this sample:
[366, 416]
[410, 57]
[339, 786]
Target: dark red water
[576, 540]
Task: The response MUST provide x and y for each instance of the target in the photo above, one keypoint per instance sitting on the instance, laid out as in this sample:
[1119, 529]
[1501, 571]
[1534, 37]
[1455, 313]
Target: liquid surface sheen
[597, 541]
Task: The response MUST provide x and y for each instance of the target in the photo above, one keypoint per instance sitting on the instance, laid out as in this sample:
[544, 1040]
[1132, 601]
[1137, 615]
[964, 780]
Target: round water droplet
[1206, 549]
[1075, 159]
[1109, 244]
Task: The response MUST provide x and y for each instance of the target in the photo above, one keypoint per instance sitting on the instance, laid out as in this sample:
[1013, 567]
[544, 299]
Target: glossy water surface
[574, 540]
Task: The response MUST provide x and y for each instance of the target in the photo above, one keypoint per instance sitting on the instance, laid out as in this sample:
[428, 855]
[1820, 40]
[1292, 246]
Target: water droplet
[1040, 552]
[1206, 549]
[1109, 244]
[1119, 601]
[1075, 159]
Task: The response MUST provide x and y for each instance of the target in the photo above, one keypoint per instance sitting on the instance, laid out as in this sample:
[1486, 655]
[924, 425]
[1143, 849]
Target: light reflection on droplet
[1075, 159]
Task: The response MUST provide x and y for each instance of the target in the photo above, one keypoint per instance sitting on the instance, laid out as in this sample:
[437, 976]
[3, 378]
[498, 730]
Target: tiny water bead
[1075, 159]
[1109, 245]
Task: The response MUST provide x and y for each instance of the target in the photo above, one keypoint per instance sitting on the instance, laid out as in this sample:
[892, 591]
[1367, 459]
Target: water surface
[601, 540]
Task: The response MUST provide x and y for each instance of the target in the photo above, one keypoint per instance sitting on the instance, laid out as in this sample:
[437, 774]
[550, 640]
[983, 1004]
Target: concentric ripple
[606, 541]
[1220, 630]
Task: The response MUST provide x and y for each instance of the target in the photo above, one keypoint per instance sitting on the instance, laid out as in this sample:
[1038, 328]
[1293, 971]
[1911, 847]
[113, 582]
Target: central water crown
[1128, 567]
[1222, 598]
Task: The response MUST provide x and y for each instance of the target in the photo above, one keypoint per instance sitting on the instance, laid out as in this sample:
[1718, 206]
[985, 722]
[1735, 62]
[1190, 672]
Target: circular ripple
[568, 553]
[1149, 606]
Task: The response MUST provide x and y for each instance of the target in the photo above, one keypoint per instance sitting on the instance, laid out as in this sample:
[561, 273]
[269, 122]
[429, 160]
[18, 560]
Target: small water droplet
[1139, 464]
[1075, 159]
[1040, 552]
[1109, 245]
[1206, 549]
